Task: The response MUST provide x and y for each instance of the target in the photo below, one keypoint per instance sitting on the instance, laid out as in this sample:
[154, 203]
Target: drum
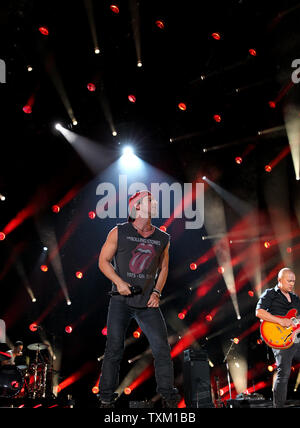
[11, 381]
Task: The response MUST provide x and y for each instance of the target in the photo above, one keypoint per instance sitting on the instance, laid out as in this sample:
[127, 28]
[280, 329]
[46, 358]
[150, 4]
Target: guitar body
[279, 337]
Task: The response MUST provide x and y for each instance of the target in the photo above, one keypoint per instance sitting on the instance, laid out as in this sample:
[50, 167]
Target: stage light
[160, 24]
[91, 87]
[44, 268]
[92, 215]
[58, 126]
[2, 236]
[45, 248]
[27, 109]
[139, 64]
[272, 104]
[114, 133]
[128, 151]
[267, 244]
[182, 106]
[235, 340]
[252, 52]
[221, 269]
[2, 197]
[33, 327]
[217, 118]
[163, 228]
[204, 177]
[127, 391]
[208, 318]
[181, 315]
[68, 329]
[29, 68]
[193, 266]
[33, 300]
[114, 8]
[55, 208]
[44, 31]
[268, 168]
[69, 302]
[129, 160]
[79, 275]
[289, 250]
[132, 98]
[238, 160]
[97, 51]
[104, 331]
[136, 334]
[95, 389]
[251, 293]
[74, 121]
[216, 36]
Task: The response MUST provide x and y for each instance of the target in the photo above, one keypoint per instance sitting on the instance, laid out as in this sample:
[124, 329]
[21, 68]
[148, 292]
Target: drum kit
[33, 381]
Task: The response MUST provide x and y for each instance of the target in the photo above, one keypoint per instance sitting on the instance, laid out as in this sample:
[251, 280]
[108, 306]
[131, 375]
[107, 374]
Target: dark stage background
[251, 223]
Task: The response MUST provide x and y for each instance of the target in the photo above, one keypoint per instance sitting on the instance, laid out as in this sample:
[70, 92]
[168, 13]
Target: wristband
[156, 291]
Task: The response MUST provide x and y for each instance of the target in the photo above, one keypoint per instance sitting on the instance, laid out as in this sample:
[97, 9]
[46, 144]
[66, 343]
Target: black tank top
[137, 260]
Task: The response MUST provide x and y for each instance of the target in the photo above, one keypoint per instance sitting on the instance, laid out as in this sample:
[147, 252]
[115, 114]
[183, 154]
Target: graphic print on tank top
[142, 256]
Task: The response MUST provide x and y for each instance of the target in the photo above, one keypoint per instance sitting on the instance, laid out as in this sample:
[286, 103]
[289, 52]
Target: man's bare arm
[106, 255]
[161, 280]
[164, 270]
[266, 316]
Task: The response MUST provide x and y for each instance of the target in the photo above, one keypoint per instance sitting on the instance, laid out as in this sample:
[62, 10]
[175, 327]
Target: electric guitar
[279, 337]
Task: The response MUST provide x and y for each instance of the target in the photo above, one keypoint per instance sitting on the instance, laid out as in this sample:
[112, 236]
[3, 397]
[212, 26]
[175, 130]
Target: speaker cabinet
[196, 377]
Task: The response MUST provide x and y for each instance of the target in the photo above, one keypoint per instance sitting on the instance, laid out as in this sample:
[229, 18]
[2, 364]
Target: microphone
[135, 289]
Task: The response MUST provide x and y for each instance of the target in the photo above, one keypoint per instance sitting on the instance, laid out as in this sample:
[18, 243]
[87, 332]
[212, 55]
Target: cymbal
[36, 346]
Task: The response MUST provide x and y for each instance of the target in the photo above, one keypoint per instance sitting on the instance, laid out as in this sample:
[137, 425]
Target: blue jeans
[153, 326]
[283, 359]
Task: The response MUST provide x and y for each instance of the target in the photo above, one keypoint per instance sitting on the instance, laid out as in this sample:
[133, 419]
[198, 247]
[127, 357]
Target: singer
[141, 256]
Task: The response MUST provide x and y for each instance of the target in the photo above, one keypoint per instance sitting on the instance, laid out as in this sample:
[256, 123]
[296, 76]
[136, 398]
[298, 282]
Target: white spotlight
[129, 159]
[128, 151]
[58, 126]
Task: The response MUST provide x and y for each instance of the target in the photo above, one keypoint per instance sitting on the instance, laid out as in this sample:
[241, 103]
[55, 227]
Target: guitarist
[278, 301]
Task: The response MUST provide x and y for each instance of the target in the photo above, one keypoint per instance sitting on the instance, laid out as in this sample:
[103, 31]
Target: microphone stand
[227, 368]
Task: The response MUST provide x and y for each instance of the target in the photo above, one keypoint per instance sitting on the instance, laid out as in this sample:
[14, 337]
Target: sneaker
[172, 401]
[104, 404]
